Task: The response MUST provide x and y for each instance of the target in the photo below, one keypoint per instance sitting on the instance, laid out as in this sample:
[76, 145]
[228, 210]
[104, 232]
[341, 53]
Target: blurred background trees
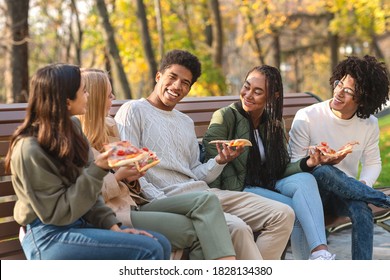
[304, 38]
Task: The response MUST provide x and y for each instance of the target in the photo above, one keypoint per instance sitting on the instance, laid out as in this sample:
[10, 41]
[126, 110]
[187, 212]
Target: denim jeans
[336, 181]
[345, 196]
[80, 241]
[300, 191]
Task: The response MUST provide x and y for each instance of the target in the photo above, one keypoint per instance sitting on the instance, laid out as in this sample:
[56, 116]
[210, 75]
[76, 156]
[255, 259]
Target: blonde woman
[194, 220]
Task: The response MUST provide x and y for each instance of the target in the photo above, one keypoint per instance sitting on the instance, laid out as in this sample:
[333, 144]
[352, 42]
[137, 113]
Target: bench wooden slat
[6, 189]
[7, 129]
[9, 230]
[7, 209]
[2, 169]
[4, 147]
[13, 107]
[12, 116]
[11, 250]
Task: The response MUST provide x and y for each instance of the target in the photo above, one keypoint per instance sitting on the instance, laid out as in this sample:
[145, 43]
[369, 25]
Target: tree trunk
[187, 21]
[146, 42]
[208, 30]
[160, 28]
[113, 49]
[334, 47]
[217, 33]
[276, 49]
[79, 40]
[256, 45]
[375, 46]
[17, 79]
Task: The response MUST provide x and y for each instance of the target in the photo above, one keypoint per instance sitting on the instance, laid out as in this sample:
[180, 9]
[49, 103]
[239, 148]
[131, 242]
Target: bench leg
[384, 226]
[381, 219]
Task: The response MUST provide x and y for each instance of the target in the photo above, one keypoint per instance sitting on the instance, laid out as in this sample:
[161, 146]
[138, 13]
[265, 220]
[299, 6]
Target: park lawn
[384, 145]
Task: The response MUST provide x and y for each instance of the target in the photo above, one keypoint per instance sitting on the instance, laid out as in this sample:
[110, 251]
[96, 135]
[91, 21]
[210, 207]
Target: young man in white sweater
[155, 123]
[360, 88]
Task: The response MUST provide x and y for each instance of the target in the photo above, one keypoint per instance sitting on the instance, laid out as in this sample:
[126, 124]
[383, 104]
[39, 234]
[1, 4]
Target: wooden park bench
[200, 109]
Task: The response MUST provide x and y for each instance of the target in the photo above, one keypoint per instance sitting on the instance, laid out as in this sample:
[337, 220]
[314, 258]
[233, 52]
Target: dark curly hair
[371, 82]
[183, 58]
[274, 138]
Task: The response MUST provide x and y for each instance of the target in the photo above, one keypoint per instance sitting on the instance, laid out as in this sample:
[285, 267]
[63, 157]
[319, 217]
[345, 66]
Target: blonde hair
[93, 121]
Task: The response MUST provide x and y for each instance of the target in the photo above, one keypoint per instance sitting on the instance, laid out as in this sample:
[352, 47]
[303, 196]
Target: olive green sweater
[43, 193]
[226, 124]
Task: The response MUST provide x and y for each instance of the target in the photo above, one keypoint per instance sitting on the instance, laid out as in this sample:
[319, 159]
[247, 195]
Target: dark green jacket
[226, 124]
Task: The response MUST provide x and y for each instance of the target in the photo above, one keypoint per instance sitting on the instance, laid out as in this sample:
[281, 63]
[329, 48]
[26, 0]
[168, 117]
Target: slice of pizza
[124, 153]
[147, 162]
[347, 148]
[324, 148]
[234, 142]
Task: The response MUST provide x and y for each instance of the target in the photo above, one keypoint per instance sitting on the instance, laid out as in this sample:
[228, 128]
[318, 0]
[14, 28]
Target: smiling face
[253, 94]
[344, 105]
[172, 86]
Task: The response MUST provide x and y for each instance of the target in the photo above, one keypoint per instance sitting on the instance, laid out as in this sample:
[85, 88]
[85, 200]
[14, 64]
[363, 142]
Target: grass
[384, 145]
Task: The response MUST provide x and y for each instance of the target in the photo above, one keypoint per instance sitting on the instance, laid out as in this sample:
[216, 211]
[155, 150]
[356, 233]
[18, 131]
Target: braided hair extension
[274, 138]
[371, 82]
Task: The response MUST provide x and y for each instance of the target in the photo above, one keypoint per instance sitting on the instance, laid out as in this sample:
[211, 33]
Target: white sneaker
[322, 255]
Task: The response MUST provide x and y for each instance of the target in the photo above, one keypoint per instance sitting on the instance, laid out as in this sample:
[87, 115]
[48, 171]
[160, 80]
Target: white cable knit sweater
[171, 135]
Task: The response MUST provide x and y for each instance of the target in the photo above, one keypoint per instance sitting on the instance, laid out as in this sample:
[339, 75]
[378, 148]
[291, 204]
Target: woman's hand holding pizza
[102, 159]
[128, 172]
[227, 153]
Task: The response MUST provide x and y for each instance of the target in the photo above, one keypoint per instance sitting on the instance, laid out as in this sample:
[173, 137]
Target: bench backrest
[200, 109]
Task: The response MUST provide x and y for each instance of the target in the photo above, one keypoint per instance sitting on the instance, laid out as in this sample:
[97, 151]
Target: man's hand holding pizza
[323, 154]
[317, 158]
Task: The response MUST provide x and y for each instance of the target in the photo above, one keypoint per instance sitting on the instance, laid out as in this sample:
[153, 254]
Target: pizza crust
[233, 143]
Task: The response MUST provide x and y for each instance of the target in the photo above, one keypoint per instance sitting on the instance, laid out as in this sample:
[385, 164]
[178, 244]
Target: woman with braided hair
[265, 168]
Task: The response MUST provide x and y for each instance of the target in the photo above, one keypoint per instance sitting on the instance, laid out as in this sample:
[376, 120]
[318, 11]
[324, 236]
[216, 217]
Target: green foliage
[361, 18]
[212, 81]
[384, 144]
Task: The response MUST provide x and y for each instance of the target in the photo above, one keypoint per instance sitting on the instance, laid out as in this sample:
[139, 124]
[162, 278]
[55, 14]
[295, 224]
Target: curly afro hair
[182, 58]
[371, 82]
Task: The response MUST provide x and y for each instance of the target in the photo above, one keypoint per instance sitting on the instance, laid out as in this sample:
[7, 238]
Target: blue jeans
[80, 241]
[345, 196]
[300, 191]
[336, 181]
